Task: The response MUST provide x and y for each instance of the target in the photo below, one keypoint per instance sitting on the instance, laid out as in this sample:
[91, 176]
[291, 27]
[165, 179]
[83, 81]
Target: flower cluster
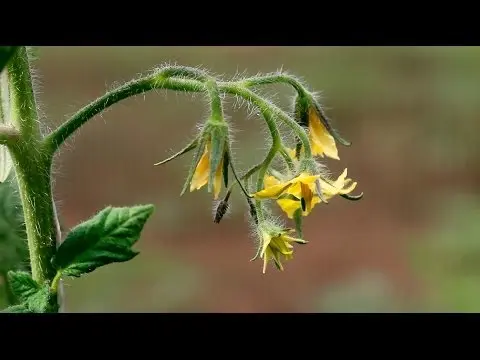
[296, 188]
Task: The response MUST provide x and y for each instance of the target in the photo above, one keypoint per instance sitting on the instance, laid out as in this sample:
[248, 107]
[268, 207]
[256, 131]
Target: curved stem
[272, 110]
[158, 80]
[287, 158]
[185, 72]
[274, 78]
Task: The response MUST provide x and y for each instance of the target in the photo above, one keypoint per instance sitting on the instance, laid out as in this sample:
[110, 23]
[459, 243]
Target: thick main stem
[32, 165]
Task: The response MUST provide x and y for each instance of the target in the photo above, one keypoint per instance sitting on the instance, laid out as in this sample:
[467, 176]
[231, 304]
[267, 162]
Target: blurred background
[411, 244]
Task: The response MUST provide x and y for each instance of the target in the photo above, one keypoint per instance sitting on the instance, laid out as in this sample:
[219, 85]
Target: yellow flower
[202, 172]
[302, 192]
[321, 141]
[275, 244]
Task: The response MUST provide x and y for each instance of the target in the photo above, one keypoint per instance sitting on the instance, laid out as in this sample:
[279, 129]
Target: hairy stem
[161, 79]
[33, 168]
[23, 107]
[274, 79]
[272, 110]
[215, 101]
[286, 157]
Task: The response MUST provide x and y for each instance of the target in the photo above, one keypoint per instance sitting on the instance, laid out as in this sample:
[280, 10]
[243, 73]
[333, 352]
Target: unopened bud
[253, 210]
[222, 209]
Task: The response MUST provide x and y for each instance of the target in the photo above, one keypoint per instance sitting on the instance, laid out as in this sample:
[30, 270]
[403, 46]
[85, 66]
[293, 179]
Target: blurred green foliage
[367, 291]
[172, 285]
[447, 260]
[13, 243]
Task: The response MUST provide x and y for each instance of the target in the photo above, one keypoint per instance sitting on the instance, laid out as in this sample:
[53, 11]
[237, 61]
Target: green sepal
[186, 149]
[218, 136]
[352, 197]
[202, 141]
[35, 297]
[302, 104]
[277, 263]
[301, 117]
[298, 218]
[226, 163]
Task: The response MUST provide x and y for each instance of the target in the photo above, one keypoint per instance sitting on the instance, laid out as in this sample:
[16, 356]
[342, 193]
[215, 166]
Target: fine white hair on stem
[37, 88]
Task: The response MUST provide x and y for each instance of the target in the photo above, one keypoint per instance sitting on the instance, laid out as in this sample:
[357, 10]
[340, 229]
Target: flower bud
[209, 160]
[322, 136]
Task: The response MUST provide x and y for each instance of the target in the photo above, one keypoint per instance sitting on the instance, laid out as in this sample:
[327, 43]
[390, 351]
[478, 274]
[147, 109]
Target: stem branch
[274, 79]
[270, 109]
[159, 80]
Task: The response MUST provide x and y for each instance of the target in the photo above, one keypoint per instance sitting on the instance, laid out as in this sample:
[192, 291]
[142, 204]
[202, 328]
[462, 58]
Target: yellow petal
[265, 243]
[291, 153]
[295, 190]
[289, 206]
[305, 178]
[266, 258]
[349, 189]
[200, 177]
[272, 192]
[307, 196]
[269, 181]
[317, 149]
[288, 256]
[320, 137]
[339, 186]
[293, 239]
[280, 245]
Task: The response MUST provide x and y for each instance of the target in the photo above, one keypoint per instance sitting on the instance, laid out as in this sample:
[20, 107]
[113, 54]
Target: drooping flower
[275, 244]
[202, 173]
[304, 191]
[321, 141]
[320, 134]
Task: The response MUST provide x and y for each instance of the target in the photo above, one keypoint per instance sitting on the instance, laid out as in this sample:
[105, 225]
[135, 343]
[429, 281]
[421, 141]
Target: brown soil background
[410, 113]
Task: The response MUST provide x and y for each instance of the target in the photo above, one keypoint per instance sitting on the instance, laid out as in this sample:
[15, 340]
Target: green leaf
[39, 302]
[6, 52]
[105, 238]
[13, 240]
[22, 284]
[35, 297]
[22, 308]
[298, 218]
